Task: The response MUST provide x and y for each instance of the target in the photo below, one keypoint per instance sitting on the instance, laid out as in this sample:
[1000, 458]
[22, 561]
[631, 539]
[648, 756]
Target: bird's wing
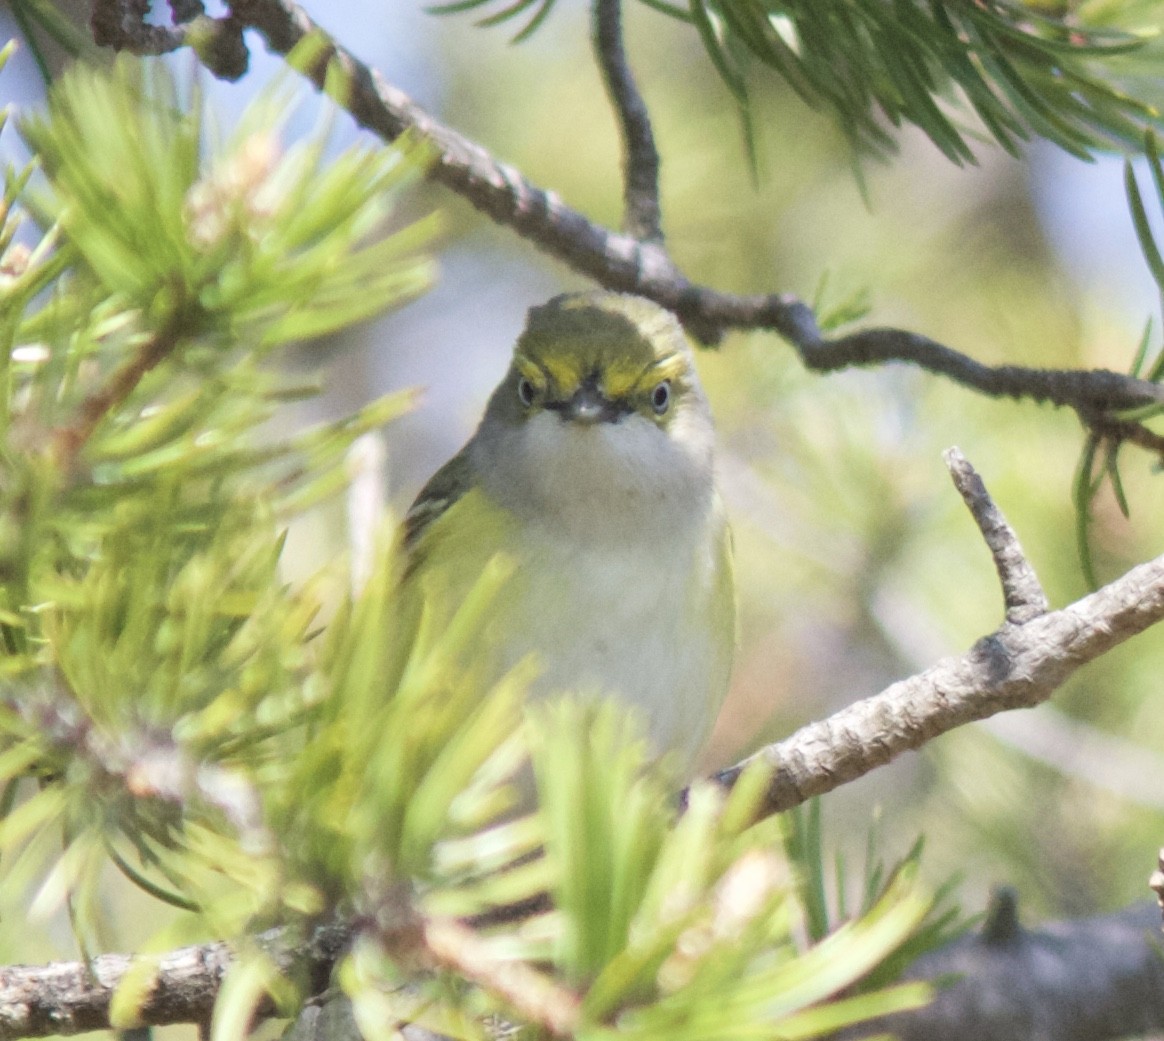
[444, 488]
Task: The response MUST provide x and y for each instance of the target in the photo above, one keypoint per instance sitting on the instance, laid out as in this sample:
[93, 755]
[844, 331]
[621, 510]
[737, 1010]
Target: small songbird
[592, 472]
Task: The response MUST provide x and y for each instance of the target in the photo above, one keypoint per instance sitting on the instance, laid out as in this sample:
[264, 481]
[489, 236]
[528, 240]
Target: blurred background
[857, 562]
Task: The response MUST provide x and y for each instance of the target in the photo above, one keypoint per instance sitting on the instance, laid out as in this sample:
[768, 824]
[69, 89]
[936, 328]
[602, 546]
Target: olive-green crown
[619, 336]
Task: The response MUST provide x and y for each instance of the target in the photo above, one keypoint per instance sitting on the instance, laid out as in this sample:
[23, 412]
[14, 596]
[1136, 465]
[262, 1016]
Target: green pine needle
[867, 62]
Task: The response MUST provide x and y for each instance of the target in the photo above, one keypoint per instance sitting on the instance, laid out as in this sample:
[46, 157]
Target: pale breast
[647, 618]
[636, 622]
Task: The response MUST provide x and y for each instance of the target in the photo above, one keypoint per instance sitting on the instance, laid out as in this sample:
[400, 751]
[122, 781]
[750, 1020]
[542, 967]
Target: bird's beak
[589, 406]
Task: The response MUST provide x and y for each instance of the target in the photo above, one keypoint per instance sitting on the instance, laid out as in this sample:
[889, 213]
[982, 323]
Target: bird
[592, 472]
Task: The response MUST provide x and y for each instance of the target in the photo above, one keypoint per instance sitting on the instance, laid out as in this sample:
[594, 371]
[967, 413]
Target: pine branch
[641, 216]
[122, 25]
[1078, 980]
[1013, 985]
[623, 263]
[1013, 980]
[1019, 665]
[144, 763]
[73, 997]
[1005, 969]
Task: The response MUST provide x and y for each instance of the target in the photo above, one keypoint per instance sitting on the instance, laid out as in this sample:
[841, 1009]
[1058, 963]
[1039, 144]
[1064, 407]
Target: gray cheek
[504, 407]
[504, 458]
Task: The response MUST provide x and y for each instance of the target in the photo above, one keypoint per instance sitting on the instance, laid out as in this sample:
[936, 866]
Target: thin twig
[640, 159]
[1098, 389]
[422, 943]
[68, 441]
[1022, 592]
[537, 999]
[1120, 430]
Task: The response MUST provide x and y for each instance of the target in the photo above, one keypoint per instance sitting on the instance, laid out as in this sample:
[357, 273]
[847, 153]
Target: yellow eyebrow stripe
[621, 378]
[673, 368]
[564, 370]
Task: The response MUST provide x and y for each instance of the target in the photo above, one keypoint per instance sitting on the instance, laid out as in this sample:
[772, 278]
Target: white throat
[628, 481]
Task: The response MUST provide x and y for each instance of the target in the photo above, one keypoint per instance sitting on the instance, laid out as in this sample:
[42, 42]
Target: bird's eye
[661, 397]
[525, 392]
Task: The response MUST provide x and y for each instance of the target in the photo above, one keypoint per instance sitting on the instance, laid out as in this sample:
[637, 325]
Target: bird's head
[601, 410]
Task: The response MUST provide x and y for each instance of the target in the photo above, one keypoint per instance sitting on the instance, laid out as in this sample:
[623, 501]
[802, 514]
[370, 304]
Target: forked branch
[1019, 665]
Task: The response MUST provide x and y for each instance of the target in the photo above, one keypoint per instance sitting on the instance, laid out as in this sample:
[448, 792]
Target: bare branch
[640, 158]
[74, 997]
[186, 10]
[122, 25]
[1099, 390]
[1017, 666]
[1120, 430]
[69, 998]
[495, 188]
[1084, 980]
[112, 28]
[1021, 589]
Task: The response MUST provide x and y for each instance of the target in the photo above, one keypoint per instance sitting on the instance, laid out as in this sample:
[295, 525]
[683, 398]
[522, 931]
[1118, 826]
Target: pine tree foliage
[251, 753]
[1011, 69]
[149, 640]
